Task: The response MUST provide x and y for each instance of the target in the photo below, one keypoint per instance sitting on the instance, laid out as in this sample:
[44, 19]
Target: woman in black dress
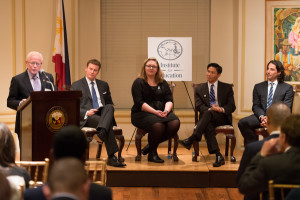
[152, 109]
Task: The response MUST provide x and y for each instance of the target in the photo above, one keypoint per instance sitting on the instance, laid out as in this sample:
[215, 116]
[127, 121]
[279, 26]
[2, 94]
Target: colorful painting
[287, 41]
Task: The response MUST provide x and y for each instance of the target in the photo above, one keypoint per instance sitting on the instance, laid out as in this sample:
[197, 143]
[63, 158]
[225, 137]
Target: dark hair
[279, 68]
[94, 62]
[7, 147]
[69, 142]
[5, 189]
[215, 65]
[159, 76]
[291, 128]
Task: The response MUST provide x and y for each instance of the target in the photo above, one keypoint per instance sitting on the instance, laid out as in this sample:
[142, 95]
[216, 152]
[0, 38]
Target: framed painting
[283, 36]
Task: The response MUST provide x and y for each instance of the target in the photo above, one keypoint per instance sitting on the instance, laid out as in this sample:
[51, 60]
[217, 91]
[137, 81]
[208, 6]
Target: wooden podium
[41, 115]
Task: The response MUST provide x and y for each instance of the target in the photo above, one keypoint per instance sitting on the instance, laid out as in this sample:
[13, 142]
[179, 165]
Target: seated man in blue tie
[215, 102]
[96, 109]
[264, 94]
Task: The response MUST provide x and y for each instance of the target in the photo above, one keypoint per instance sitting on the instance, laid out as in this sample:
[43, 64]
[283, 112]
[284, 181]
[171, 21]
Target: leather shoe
[153, 157]
[219, 161]
[145, 150]
[187, 143]
[113, 161]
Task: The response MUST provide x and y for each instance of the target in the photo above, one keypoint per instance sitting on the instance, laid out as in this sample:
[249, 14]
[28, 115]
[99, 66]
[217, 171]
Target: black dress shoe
[187, 143]
[153, 157]
[219, 161]
[145, 150]
[113, 161]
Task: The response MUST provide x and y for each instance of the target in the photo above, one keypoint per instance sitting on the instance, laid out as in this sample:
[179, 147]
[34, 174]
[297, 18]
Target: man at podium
[33, 79]
[96, 109]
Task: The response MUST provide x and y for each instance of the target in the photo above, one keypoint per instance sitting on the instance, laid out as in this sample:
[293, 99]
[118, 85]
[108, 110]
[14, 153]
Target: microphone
[48, 80]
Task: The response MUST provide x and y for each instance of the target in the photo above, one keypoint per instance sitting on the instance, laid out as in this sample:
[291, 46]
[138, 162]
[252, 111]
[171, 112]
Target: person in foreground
[96, 109]
[152, 109]
[278, 160]
[31, 80]
[276, 113]
[215, 102]
[69, 142]
[68, 180]
[264, 94]
[7, 156]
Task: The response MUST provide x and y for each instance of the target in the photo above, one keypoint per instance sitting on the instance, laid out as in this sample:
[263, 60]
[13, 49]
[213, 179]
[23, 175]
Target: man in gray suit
[96, 109]
[264, 94]
[31, 80]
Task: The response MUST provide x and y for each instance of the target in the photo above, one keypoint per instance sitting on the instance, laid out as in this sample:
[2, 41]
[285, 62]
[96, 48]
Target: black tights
[161, 132]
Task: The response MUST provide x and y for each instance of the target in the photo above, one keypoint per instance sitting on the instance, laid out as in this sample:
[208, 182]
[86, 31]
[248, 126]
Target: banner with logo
[174, 55]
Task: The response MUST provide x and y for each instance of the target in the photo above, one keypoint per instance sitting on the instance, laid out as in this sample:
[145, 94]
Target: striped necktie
[212, 99]
[270, 96]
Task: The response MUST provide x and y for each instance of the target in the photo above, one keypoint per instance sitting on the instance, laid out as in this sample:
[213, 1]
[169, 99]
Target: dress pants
[247, 127]
[209, 120]
[104, 119]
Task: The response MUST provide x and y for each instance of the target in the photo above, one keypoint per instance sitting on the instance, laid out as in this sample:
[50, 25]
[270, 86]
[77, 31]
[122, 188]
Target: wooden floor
[184, 173]
[153, 193]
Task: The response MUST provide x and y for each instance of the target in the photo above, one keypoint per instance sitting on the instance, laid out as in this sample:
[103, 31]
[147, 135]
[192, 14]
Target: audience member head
[92, 69]
[276, 113]
[213, 72]
[290, 132]
[7, 147]
[34, 61]
[68, 175]
[69, 142]
[5, 189]
[278, 73]
[151, 65]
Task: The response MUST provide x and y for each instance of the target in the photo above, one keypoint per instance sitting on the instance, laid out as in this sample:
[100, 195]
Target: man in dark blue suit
[264, 94]
[215, 102]
[276, 113]
[96, 109]
[31, 80]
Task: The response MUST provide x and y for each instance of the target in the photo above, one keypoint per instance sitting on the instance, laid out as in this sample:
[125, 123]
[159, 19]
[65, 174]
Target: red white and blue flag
[60, 50]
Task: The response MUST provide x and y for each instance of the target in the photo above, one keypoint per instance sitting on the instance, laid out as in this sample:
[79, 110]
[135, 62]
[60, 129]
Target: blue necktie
[212, 99]
[270, 96]
[95, 99]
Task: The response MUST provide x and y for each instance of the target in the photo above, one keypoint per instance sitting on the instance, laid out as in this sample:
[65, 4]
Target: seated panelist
[152, 109]
[33, 79]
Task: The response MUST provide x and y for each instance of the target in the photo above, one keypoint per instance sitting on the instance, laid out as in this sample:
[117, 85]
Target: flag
[60, 50]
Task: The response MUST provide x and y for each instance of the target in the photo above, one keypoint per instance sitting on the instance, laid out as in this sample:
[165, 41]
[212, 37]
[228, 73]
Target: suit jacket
[251, 150]
[225, 98]
[96, 192]
[282, 168]
[20, 88]
[86, 101]
[283, 93]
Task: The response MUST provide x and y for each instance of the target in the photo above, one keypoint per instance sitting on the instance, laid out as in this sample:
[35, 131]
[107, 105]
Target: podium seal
[56, 118]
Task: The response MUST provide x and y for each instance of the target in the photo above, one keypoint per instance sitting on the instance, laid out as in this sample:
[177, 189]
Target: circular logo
[169, 49]
[56, 118]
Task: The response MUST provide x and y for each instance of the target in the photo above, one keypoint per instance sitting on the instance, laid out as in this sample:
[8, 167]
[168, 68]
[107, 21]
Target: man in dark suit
[31, 80]
[276, 113]
[96, 109]
[215, 102]
[264, 94]
[69, 142]
[278, 160]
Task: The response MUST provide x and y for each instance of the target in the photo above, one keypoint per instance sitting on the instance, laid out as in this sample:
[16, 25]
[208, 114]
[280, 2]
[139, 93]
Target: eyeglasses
[151, 66]
[35, 63]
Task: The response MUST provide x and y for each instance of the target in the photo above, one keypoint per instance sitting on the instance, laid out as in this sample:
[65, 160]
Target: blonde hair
[159, 76]
[295, 26]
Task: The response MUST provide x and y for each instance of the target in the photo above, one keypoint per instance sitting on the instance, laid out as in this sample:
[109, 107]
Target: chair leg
[99, 151]
[138, 141]
[121, 140]
[169, 145]
[226, 147]
[196, 150]
[233, 143]
[88, 152]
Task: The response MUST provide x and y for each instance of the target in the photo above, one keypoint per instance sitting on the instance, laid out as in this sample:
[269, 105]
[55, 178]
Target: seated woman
[152, 109]
[7, 155]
